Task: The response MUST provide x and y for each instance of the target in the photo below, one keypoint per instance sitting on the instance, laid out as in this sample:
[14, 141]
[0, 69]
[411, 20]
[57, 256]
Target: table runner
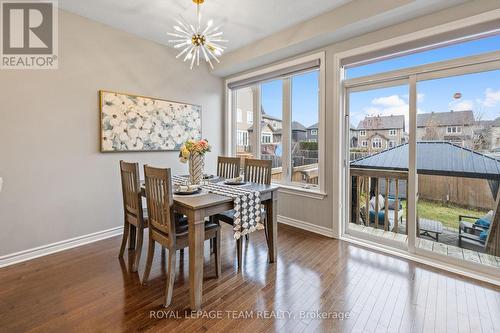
[247, 205]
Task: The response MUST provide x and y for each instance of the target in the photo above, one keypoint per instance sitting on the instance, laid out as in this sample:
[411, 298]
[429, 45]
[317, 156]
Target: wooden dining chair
[134, 219]
[228, 167]
[256, 171]
[168, 229]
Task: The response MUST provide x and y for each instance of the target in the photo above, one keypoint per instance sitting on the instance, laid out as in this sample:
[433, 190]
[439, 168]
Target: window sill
[303, 192]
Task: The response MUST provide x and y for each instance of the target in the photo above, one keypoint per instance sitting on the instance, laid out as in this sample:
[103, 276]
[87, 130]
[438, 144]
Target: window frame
[230, 126]
[267, 135]
[362, 133]
[392, 132]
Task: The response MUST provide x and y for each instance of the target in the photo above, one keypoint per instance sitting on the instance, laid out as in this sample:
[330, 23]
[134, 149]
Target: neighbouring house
[452, 126]
[275, 122]
[487, 136]
[380, 132]
[299, 132]
[312, 133]
[244, 119]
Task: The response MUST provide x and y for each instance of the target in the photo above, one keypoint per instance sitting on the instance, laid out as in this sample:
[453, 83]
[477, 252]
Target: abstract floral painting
[137, 123]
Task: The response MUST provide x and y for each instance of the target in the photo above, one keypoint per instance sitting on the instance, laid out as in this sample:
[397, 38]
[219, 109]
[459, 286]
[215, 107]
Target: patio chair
[471, 231]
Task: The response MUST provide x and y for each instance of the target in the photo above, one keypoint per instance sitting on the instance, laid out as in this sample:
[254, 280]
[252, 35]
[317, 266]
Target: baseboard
[17, 257]
[306, 226]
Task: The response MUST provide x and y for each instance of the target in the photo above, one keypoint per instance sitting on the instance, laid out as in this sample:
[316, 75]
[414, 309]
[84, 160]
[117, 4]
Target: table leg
[196, 242]
[272, 226]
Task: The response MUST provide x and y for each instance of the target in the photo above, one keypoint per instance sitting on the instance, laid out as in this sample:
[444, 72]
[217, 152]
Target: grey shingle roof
[296, 126]
[382, 122]
[314, 126]
[435, 158]
[446, 118]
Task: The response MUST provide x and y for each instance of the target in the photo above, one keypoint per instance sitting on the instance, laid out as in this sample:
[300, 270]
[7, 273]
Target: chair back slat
[228, 167]
[131, 189]
[160, 200]
[258, 171]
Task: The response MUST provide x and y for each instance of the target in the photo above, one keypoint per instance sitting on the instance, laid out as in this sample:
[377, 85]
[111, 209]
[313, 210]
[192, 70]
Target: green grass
[445, 213]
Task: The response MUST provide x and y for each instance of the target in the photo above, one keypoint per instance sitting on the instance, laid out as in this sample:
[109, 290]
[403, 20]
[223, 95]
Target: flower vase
[196, 166]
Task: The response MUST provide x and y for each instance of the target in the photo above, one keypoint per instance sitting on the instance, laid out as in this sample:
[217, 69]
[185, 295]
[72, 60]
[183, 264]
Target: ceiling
[244, 21]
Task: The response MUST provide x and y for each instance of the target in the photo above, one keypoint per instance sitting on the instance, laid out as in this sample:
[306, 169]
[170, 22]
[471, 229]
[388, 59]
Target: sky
[305, 106]
[480, 92]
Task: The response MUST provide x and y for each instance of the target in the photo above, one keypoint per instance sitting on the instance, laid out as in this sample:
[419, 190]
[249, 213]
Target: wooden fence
[467, 192]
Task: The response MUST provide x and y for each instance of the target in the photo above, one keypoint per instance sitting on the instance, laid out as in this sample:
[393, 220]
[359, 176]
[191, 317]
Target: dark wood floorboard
[88, 289]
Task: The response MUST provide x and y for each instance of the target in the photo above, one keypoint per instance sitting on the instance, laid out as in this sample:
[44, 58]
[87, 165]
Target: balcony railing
[367, 184]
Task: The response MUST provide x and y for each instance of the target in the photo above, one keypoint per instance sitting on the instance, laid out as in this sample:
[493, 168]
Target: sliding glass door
[378, 155]
[423, 160]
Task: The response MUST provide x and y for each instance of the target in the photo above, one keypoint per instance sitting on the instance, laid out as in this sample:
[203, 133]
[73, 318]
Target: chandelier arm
[189, 52]
[213, 55]
[207, 58]
[192, 61]
[183, 51]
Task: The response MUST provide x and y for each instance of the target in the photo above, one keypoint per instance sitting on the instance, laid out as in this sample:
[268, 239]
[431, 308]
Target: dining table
[199, 206]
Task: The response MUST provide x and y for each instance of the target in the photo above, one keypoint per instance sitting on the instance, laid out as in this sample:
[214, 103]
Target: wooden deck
[428, 245]
[87, 289]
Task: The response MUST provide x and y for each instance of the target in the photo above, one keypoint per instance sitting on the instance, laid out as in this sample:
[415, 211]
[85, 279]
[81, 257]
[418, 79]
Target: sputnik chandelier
[196, 39]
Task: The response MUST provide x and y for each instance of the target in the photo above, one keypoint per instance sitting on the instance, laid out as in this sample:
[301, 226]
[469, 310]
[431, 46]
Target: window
[266, 138]
[287, 122]
[454, 129]
[392, 144]
[245, 132]
[362, 133]
[392, 132]
[305, 113]
[376, 143]
[242, 138]
[409, 59]
[250, 117]
[364, 143]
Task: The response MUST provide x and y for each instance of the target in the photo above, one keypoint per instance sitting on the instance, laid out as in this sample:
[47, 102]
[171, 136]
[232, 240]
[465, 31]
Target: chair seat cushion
[482, 222]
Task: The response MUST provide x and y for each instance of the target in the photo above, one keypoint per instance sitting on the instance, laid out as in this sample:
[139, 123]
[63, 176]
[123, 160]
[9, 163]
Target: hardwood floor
[89, 289]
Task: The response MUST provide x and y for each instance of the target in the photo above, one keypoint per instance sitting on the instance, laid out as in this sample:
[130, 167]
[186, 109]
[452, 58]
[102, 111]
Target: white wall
[325, 213]
[57, 185]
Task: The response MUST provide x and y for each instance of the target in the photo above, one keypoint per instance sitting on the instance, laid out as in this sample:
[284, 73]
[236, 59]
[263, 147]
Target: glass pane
[458, 158]
[305, 129]
[454, 51]
[244, 122]
[379, 161]
[272, 110]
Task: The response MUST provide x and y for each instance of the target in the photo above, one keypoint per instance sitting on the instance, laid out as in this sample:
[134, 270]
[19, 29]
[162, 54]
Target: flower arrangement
[192, 147]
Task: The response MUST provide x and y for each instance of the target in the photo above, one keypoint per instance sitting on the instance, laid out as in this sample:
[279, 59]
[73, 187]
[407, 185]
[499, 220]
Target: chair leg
[239, 251]
[247, 237]
[131, 241]
[218, 262]
[170, 277]
[124, 239]
[149, 260]
[181, 252]
[138, 250]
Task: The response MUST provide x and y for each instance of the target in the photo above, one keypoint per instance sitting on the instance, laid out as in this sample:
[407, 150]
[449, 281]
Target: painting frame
[103, 149]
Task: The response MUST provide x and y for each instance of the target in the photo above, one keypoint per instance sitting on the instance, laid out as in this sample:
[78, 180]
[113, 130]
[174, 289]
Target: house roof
[262, 125]
[446, 118]
[314, 126]
[435, 158]
[382, 122]
[296, 126]
[265, 115]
